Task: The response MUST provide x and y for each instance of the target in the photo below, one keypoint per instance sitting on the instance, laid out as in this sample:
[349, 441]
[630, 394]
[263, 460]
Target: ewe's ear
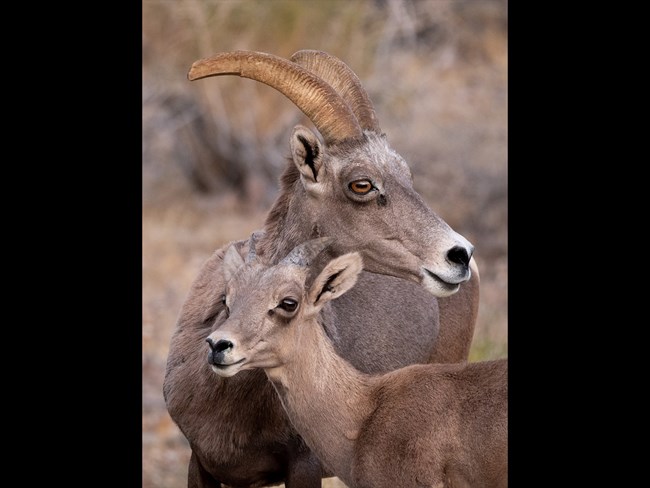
[307, 153]
[232, 261]
[337, 277]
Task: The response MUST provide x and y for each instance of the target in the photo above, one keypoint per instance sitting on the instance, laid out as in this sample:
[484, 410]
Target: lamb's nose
[220, 346]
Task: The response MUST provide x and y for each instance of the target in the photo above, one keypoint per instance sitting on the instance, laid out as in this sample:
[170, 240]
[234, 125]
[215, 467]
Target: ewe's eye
[361, 187]
[288, 304]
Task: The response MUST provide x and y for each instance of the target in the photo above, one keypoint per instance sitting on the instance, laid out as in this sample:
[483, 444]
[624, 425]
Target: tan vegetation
[212, 152]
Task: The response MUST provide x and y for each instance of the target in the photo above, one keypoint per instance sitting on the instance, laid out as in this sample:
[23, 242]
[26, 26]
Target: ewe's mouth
[442, 283]
[226, 366]
[227, 370]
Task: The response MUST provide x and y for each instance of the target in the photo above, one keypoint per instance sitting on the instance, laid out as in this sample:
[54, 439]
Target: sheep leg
[304, 470]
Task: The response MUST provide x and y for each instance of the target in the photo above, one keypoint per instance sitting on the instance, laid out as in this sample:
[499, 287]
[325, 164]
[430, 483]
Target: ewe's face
[364, 196]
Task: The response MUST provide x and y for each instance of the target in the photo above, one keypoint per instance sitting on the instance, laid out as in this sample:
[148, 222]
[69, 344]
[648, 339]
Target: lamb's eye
[288, 304]
[361, 187]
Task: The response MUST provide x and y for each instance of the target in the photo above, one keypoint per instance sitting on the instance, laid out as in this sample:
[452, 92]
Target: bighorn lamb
[352, 186]
[421, 425]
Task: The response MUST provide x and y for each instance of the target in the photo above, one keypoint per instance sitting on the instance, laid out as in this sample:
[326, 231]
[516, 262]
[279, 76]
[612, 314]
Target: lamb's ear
[232, 261]
[338, 276]
[307, 154]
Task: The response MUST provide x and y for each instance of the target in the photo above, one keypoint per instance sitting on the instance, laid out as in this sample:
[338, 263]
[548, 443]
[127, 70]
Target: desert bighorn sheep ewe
[437, 425]
[355, 187]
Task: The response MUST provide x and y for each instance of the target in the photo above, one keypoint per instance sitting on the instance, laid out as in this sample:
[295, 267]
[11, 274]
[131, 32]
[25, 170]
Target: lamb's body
[454, 435]
[442, 425]
[423, 425]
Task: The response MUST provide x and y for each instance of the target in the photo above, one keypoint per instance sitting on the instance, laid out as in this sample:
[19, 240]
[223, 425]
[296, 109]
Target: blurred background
[213, 150]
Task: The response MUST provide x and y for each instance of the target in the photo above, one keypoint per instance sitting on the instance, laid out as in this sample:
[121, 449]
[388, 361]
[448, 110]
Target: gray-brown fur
[434, 425]
[237, 430]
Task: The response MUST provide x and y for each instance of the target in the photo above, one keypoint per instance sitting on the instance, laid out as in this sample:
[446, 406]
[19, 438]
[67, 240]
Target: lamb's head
[352, 186]
[266, 305]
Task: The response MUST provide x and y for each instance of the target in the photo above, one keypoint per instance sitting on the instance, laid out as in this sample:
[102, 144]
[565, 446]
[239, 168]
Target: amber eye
[361, 187]
[288, 304]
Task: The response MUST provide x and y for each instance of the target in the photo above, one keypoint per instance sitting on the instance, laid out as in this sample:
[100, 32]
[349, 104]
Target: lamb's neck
[326, 399]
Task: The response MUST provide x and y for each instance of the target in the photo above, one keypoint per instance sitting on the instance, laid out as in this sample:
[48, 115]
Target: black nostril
[222, 345]
[458, 255]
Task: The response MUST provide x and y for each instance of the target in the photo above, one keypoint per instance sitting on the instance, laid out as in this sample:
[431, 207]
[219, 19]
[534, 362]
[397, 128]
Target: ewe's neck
[326, 399]
[288, 223]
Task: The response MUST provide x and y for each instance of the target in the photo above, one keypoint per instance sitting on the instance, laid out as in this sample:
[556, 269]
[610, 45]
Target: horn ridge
[344, 81]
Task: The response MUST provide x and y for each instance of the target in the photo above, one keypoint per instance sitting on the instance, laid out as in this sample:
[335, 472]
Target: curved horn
[303, 254]
[318, 101]
[346, 83]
